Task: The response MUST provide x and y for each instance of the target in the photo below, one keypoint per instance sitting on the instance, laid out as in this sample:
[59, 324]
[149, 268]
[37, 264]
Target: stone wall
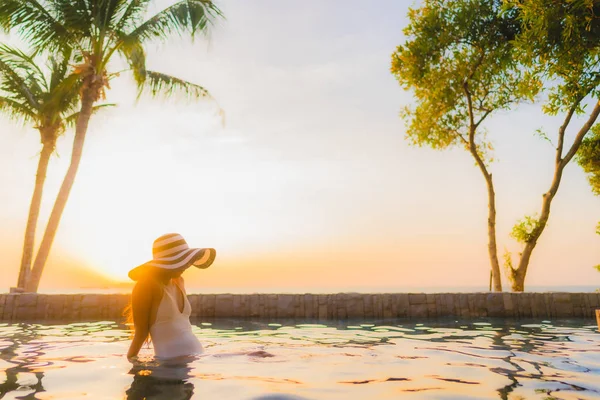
[84, 307]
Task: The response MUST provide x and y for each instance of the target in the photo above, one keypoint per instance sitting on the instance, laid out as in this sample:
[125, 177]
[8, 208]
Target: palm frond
[15, 84]
[187, 16]
[18, 59]
[71, 120]
[22, 74]
[34, 23]
[36, 84]
[27, 91]
[63, 97]
[166, 85]
[135, 55]
[104, 13]
[130, 14]
[17, 111]
[59, 67]
[74, 14]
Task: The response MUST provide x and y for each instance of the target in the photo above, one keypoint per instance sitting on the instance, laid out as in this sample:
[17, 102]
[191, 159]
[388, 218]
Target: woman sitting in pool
[159, 302]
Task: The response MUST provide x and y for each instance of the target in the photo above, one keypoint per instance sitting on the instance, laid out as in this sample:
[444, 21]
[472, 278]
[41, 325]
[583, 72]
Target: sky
[307, 183]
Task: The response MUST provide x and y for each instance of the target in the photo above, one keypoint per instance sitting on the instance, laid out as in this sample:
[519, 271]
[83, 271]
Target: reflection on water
[338, 360]
[151, 380]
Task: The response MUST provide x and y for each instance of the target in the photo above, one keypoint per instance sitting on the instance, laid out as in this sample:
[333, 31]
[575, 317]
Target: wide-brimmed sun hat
[171, 251]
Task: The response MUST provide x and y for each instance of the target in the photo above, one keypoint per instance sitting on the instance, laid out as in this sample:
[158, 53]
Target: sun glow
[311, 182]
[119, 207]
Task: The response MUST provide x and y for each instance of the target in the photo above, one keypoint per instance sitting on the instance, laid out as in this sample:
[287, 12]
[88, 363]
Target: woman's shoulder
[180, 283]
[146, 286]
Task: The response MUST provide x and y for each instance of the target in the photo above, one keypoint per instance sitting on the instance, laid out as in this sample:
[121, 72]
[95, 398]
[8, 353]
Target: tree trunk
[491, 223]
[520, 272]
[87, 102]
[519, 275]
[492, 247]
[34, 210]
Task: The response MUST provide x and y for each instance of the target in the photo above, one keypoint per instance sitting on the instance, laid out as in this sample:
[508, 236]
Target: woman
[159, 303]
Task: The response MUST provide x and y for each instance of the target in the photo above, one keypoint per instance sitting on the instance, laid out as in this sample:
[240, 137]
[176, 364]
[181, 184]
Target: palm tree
[99, 31]
[46, 98]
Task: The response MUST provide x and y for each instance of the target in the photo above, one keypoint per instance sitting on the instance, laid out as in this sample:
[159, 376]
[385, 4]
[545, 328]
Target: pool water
[387, 359]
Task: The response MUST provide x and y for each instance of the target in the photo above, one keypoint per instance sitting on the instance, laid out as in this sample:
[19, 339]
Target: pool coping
[15, 307]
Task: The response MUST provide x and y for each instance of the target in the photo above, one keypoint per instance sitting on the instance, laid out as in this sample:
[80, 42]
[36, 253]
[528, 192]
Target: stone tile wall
[417, 306]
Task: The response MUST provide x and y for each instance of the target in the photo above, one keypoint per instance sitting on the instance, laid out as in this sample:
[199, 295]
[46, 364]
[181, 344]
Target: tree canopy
[450, 45]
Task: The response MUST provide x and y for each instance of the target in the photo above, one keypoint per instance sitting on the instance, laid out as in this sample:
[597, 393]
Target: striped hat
[171, 251]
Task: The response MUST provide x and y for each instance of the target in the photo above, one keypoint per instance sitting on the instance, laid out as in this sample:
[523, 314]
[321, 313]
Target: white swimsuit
[172, 334]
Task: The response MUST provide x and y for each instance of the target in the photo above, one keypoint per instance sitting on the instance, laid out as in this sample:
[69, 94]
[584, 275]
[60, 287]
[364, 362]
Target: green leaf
[188, 16]
[541, 134]
[19, 60]
[64, 96]
[34, 22]
[562, 40]
[588, 157]
[525, 230]
[41, 97]
[135, 55]
[17, 111]
[166, 85]
[129, 14]
[14, 79]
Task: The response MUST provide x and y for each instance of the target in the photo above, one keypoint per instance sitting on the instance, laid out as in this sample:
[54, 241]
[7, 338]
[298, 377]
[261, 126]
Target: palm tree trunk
[34, 210]
[560, 163]
[87, 102]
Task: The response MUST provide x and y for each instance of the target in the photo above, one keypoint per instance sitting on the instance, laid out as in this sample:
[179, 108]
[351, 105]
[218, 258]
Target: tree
[98, 31]
[459, 62]
[563, 39]
[47, 98]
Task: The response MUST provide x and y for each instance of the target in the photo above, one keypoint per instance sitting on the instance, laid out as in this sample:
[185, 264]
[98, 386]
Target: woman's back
[171, 332]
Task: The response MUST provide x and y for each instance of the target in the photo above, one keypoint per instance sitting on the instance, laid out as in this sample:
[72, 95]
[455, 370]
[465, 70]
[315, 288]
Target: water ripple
[338, 360]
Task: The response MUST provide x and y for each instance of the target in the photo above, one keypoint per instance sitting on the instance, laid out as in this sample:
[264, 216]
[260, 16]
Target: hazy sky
[309, 184]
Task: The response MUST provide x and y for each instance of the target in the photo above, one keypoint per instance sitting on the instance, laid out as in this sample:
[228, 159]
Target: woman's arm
[141, 303]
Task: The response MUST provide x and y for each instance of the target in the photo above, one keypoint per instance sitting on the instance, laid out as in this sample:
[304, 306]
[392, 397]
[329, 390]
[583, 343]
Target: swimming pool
[385, 359]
